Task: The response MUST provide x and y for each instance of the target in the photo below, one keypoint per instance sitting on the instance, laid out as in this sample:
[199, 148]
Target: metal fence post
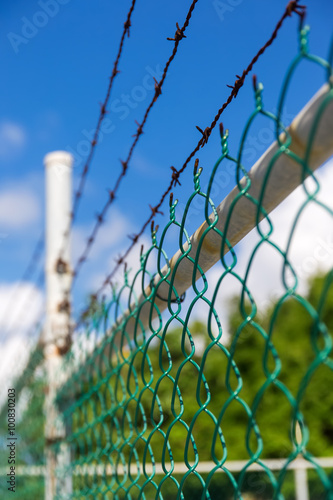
[301, 484]
[56, 336]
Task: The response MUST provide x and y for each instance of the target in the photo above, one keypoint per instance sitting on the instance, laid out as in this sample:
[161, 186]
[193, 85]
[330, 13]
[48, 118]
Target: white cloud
[19, 207]
[15, 354]
[20, 307]
[12, 139]
[311, 248]
[112, 240]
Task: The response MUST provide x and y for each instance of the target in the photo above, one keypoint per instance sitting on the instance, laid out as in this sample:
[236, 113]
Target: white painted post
[301, 484]
[56, 336]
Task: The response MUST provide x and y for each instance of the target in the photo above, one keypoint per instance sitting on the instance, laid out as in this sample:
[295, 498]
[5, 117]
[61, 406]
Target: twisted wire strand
[79, 192]
[292, 7]
[179, 35]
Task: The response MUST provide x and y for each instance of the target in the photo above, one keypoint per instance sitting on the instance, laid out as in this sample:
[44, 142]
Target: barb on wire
[175, 176]
[94, 142]
[155, 210]
[205, 134]
[139, 132]
[292, 6]
[158, 90]
[178, 35]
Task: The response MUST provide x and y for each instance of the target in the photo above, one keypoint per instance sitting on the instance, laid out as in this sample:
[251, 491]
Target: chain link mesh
[162, 391]
[157, 407]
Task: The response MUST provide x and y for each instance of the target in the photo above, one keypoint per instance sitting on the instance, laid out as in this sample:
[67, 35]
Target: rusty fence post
[56, 337]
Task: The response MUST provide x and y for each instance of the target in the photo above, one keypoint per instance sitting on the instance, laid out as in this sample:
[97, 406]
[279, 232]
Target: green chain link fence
[157, 402]
[162, 393]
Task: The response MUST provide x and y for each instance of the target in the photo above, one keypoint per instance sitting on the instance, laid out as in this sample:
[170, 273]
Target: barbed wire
[79, 192]
[292, 7]
[179, 35]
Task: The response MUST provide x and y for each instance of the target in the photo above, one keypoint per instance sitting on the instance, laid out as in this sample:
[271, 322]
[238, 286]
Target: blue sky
[55, 74]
